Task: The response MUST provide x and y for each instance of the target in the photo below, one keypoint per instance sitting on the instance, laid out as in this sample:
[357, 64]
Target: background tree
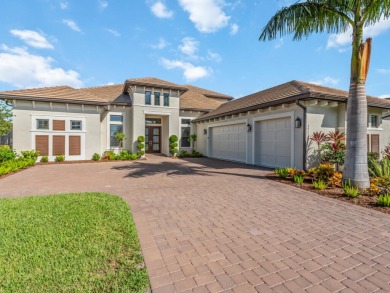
[5, 118]
[337, 16]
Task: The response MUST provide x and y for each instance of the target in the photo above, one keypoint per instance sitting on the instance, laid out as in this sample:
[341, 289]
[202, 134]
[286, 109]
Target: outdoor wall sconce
[249, 127]
[204, 131]
[298, 123]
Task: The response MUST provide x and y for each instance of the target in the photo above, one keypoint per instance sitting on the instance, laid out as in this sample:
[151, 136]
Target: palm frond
[375, 10]
[304, 18]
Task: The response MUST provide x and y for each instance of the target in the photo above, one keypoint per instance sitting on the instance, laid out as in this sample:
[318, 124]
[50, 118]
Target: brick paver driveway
[213, 226]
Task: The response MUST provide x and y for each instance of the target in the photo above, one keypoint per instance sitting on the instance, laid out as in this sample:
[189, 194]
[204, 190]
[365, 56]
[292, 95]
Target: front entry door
[153, 139]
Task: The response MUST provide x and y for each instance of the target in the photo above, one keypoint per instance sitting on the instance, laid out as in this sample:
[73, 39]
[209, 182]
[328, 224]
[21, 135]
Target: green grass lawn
[72, 242]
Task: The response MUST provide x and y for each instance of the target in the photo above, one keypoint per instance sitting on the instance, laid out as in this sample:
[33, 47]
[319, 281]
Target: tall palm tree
[337, 16]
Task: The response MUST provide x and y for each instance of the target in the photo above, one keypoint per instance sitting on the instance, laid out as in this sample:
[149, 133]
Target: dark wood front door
[153, 139]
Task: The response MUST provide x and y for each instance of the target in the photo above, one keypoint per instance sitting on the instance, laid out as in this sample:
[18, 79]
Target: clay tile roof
[201, 99]
[286, 92]
[110, 93]
[154, 82]
[54, 94]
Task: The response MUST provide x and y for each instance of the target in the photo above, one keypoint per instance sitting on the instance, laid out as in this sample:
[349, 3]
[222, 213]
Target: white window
[43, 124]
[374, 119]
[115, 126]
[185, 132]
[76, 125]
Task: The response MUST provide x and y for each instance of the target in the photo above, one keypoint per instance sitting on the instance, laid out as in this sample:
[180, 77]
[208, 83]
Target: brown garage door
[42, 144]
[74, 145]
[58, 145]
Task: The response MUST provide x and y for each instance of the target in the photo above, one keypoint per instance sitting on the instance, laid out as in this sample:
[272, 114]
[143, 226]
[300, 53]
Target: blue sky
[208, 43]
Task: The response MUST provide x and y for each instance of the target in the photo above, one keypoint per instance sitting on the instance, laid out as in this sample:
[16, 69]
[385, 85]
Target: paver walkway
[212, 226]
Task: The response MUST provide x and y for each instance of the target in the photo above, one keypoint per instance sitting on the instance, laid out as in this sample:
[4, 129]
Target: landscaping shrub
[323, 172]
[30, 154]
[319, 184]
[44, 159]
[95, 157]
[14, 165]
[379, 169]
[299, 179]
[183, 154]
[379, 185]
[173, 145]
[60, 158]
[141, 146]
[195, 154]
[6, 154]
[349, 189]
[282, 172]
[384, 200]
[335, 180]
[291, 172]
[108, 155]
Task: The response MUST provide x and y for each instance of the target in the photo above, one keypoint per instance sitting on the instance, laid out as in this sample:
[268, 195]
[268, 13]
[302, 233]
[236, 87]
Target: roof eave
[41, 99]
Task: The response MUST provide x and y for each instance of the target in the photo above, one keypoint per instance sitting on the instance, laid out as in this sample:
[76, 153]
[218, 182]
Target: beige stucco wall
[169, 116]
[292, 111]
[24, 125]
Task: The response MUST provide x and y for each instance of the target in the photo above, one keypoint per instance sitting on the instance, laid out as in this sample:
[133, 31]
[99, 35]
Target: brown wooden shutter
[74, 145]
[42, 144]
[368, 143]
[59, 125]
[58, 145]
[375, 143]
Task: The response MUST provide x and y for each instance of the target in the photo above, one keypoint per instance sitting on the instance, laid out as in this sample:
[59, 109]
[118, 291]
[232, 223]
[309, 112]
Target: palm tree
[337, 16]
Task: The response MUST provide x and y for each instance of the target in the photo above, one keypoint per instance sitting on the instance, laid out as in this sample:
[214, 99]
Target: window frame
[149, 95]
[121, 123]
[166, 99]
[186, 137]
[376, 121]
[184, 125]
[71, 125]
[157, 98]
[42, 119]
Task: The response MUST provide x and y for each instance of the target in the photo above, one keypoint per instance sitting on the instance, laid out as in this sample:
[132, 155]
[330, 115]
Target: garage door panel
[229, 142]
[273, 142]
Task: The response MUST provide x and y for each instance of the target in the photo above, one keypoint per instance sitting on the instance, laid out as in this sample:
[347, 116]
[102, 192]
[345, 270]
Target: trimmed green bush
[7, 154]
[60, 158]
[30, 154]
[141, 146]
[44, 159]
[173, 144]
[14, 165]
[95, 157]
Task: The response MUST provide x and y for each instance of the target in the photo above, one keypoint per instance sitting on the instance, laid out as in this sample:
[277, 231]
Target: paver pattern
[213, 226]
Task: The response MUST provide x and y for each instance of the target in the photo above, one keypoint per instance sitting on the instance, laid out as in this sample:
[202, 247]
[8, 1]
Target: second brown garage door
[74, 145]
[58, 145]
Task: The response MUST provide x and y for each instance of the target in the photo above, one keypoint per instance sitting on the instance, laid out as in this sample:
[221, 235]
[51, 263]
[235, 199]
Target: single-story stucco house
[269, 128]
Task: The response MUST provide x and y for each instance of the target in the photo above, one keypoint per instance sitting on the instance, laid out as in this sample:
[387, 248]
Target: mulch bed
[336, 192]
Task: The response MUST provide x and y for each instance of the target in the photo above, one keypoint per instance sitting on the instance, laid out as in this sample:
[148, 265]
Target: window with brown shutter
[74, 145]
[59, 125]
[375, 143]
[58, 145]
[42, 144]
[368, 143]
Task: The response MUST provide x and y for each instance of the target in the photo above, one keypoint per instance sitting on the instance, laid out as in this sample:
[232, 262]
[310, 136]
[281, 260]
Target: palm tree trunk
[356, 167]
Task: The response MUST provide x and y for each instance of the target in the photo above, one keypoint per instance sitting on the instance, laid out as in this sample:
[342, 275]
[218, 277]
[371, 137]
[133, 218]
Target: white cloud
[383, 71]
[32, 38]
[103, 4]
[64, 5]
[72, 25]
[190, 71]
[384, 96]
[115, 33]
[345, 39]
[326, 81]
[23, 69]
[207, 15]
[160, 10]
[213, 56]
[189, 47]
[234, 29]
[162, 43]
[110, 83]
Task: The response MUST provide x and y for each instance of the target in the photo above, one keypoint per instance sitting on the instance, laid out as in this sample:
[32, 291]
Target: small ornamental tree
[5, 118]
[192, 139]
[120, 137]
[173, 145]
[141, 146]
